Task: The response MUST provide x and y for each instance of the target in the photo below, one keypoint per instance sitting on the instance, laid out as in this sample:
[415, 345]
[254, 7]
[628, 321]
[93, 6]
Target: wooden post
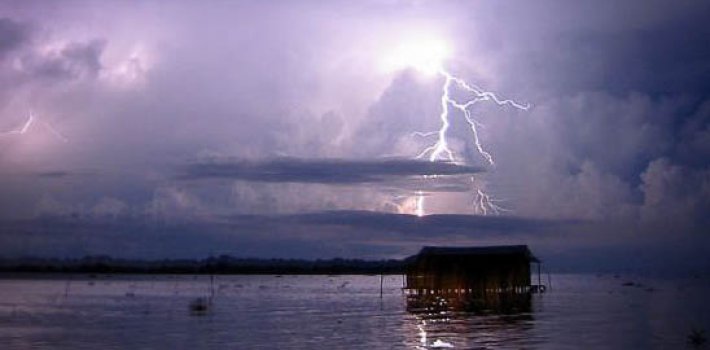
[539, 279]
[381, 278]
[66, 288]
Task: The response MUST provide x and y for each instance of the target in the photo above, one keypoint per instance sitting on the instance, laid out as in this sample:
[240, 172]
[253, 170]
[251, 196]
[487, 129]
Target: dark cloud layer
[355, 234]
[339, 230]
[430, 225]
[325, 171]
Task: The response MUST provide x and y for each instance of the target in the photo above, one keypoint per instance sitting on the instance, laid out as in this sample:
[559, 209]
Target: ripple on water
[338, 312]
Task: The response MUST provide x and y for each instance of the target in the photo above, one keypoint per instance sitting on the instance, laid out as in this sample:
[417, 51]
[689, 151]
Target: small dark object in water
[628, 284]
[538, 288]
[697, 338]
[200, 306]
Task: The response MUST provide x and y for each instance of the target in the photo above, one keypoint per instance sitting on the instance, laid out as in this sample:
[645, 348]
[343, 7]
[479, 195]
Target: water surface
[338, 312]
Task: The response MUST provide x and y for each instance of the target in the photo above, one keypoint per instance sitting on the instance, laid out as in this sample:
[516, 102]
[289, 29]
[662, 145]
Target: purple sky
[271, 129]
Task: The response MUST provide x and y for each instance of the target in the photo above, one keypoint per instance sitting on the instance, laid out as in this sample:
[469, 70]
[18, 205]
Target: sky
[291, 129]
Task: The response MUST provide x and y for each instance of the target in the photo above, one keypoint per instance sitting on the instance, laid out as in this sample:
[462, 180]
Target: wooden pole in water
[66, 288]
[381, 278]
[539, 279]
[211, 287]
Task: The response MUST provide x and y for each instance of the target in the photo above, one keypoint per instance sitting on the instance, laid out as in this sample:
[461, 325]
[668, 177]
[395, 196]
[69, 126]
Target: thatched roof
[508, 250]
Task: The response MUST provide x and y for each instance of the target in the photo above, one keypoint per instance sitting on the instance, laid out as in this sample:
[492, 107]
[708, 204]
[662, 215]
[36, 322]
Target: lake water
[339, 312]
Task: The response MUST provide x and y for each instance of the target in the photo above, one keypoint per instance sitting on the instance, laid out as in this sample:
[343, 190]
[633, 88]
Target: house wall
[488, 283]
[479, 275]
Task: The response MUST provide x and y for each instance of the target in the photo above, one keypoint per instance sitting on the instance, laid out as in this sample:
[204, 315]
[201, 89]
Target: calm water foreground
[339, 312]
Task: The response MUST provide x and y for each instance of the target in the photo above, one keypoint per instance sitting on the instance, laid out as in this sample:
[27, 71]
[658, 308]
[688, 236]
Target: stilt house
[488, 275]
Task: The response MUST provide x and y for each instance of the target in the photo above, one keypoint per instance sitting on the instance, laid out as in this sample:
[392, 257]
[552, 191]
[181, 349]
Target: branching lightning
[32, 120]
[483, 203]
[440, 150]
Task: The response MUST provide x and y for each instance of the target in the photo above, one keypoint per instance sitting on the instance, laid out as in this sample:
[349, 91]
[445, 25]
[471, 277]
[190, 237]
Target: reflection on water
[341, 312]
[445, 303]
[467, 331]
[462, 322]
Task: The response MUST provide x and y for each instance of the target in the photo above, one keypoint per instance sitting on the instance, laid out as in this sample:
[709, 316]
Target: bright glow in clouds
[127, 68]
[427, 56]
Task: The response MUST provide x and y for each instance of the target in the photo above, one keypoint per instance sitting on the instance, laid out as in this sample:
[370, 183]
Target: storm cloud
[325, 171]
[183, 114]
[12, 35]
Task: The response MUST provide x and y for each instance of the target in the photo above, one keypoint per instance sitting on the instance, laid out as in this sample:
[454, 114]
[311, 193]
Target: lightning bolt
[419, 211]
[440, 150]
[32, 120]
[483, 203]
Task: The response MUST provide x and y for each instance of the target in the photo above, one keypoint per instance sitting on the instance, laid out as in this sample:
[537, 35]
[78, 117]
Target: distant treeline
[214, 265]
